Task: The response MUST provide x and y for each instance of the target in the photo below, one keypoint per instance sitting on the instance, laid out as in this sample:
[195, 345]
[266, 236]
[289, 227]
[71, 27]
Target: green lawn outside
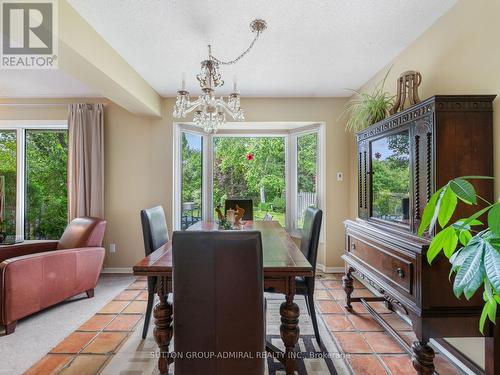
[278, 216]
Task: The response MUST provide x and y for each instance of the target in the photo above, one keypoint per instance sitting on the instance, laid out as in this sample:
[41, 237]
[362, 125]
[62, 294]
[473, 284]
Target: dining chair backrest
[246, 204]
[154, 228]
[219, 301]
[310, 234]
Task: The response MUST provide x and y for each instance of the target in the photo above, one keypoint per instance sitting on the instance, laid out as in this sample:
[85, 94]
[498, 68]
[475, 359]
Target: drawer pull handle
[353, 246]
[400, 272]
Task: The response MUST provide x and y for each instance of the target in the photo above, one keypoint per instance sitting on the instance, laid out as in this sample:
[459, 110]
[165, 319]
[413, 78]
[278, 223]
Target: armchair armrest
[25, 248]
[30, 283]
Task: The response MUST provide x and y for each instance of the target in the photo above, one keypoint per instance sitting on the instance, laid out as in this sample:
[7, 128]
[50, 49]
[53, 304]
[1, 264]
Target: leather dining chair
[155, 233]
[246, 204]
[219, 304]
[309, 247]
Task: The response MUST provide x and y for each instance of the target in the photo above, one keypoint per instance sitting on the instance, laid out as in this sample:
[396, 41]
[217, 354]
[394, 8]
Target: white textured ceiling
[311, 47]
[41, 83]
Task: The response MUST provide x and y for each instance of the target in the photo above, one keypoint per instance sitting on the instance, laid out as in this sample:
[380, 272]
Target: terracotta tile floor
[90, 347]
[368, 349]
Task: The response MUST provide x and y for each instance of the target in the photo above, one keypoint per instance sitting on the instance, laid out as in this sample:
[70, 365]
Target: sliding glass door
[306, 172]
[191, 203]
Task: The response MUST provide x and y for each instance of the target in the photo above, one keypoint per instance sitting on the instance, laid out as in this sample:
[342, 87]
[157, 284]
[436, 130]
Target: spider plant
[368, 108]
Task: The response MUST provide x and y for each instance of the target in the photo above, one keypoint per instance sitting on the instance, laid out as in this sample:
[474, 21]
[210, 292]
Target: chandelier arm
[234, 114]
[234, 61]
[225, 107]
[193, 105]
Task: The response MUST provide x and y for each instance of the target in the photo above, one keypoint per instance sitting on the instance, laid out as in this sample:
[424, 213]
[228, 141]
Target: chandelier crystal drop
[209, 111]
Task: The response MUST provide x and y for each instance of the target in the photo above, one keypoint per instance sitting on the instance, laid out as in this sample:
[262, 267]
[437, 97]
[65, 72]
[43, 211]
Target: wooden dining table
[283, 262]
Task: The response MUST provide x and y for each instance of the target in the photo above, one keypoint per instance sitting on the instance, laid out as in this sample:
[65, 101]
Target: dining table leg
[163, 331]
[289, 328]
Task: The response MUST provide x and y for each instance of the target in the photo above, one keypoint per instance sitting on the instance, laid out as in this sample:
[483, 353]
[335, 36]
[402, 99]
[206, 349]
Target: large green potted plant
[366, 109]
[473, 247]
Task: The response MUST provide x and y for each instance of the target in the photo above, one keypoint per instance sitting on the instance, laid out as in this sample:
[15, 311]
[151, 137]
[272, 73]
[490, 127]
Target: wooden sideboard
[448, 136]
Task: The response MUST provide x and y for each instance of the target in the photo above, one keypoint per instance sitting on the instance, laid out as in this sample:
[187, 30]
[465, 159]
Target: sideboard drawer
[396, 269]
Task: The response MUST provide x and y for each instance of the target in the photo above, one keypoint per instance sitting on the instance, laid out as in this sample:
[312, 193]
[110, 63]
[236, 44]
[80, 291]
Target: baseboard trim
[323, 268]
[125, 270]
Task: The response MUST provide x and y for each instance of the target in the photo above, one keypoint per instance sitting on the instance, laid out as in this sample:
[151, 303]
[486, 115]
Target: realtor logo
[29, 34]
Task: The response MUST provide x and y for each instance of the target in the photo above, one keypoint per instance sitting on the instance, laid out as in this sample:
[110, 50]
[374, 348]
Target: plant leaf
[439, 241]
[472, 218]
[464, 237]
[475, 283]
[478, 177]
[450, 242]
[447, 207]
[470, 275]
[458, 258]
[494, 219]
[492, 310]
[429, 212]
[492, 265]
[464, 190]
[484, 314]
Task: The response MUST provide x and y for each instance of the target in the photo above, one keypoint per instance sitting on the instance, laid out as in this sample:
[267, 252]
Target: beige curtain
[86, 160]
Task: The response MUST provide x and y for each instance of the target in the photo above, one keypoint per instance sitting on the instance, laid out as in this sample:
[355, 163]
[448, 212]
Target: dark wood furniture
[449, 136]
[309, 246]
[219, 274]
[283, 262]
[155, 235]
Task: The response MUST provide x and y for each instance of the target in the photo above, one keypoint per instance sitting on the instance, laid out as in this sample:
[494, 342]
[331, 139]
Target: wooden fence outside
[304, 200]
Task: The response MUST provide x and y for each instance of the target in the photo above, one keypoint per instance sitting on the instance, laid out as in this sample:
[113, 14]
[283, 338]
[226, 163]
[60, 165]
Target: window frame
[20, 127]
[290, 136]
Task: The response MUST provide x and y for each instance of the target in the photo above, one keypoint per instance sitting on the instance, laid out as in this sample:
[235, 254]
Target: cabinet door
[363, 183]
[423, 166]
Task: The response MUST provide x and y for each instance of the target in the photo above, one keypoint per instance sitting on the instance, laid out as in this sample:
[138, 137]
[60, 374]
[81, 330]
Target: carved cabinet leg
[423, 358]
[163, 317]
[492, 350]
[347, 285]
[289, 328]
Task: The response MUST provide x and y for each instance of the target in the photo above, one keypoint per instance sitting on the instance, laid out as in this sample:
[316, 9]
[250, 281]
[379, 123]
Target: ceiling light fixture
[209, 111]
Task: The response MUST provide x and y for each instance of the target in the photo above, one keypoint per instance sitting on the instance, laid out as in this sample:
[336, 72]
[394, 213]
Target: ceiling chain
[257, 26]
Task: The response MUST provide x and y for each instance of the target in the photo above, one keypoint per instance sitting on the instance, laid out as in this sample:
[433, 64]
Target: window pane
[8, 169]
[46, 195]
[251, 168]
[192, 175]
[307, 149]
[390, 161]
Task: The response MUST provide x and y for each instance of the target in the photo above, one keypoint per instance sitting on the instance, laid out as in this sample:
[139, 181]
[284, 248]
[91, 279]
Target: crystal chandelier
[210, 111]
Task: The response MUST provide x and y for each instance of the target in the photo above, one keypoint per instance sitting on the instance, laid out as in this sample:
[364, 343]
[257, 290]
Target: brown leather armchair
[36, 275]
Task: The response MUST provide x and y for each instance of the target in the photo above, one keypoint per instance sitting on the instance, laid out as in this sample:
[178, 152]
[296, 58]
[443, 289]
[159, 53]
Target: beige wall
[139, 153]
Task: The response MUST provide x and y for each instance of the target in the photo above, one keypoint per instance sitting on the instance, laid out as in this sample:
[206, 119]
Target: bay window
[278, 167]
